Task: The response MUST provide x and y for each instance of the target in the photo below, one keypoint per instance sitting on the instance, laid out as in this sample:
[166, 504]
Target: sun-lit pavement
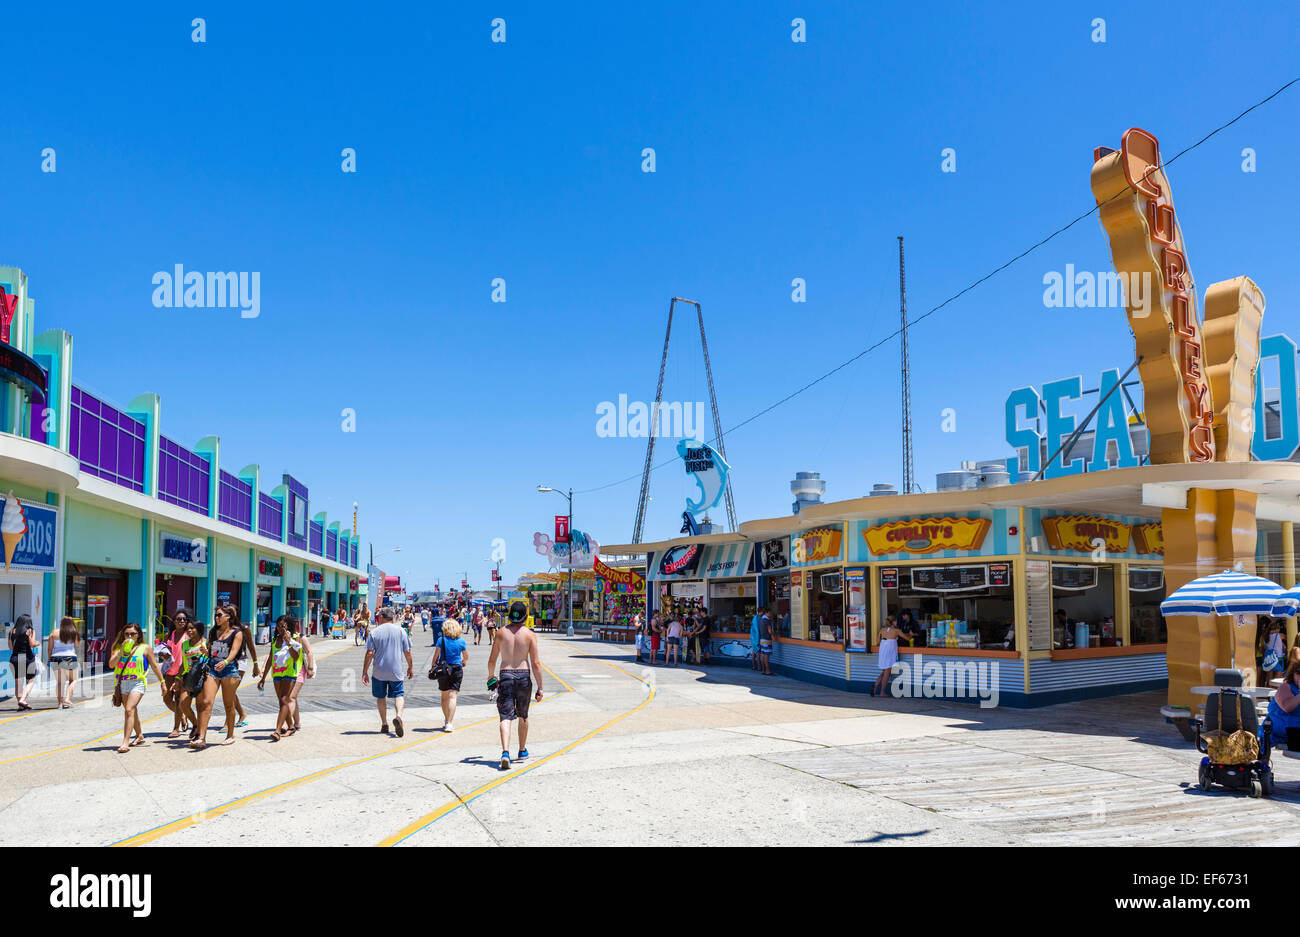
[625, 754]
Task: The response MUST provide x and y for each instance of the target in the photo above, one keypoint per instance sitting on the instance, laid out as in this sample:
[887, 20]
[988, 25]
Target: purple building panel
[108, 443]
[183, 476]
[234, 500]
[331, 545]
[270, 516]
[316, 538]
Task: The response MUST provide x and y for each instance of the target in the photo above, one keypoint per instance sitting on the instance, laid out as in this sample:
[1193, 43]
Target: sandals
[139, 740]
[230, 740]
[241, 723]
[198, 745]
[276, 736]
[174, 734]
[122, 749]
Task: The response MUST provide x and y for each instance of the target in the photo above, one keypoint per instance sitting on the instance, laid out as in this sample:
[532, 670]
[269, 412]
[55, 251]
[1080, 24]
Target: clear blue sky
[522, 160]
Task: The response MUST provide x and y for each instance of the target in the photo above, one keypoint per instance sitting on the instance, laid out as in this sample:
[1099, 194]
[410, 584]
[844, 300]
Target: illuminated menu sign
[949, 578]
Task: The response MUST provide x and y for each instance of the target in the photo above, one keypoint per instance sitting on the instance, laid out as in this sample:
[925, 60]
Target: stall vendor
[912, 631]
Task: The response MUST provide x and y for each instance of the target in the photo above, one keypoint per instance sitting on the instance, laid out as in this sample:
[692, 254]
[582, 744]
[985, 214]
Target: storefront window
[825, 605]
[1146, 590]
[954, 606]
[732, 605]
[1083, 597]
[778, 597]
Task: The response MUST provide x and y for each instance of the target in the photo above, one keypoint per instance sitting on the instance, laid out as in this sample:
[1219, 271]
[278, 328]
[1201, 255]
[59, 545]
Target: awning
[726, 560]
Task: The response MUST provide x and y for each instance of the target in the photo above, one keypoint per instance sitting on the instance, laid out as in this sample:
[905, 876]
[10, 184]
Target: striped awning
[1289, 604]
[1225, 593]
[726, 560]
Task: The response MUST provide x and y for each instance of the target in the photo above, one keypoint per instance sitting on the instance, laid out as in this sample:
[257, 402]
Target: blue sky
[522, 160]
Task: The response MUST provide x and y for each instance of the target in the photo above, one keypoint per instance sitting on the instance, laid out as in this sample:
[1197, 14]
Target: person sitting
[1284, 707]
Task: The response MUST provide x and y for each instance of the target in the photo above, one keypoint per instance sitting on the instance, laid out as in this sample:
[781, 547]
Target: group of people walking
[388, 665]
[192, 665]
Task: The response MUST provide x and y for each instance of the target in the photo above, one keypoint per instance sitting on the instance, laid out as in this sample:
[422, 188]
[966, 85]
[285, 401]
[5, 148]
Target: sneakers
[448, 727]
[397, 726]
[505, 761]
[384, 728]
[523, 753]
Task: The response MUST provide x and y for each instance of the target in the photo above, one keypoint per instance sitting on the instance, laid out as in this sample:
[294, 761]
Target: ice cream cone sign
[13, 527]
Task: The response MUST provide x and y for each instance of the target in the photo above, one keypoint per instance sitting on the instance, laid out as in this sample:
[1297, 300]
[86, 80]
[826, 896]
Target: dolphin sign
[710, 472]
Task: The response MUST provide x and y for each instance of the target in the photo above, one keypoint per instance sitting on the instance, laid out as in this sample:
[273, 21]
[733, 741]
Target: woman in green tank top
[130, 658]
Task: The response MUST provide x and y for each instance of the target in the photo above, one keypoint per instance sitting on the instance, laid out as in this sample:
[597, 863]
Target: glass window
[1146, 590]
[825, 604]
[949, 605]
[1083, 596]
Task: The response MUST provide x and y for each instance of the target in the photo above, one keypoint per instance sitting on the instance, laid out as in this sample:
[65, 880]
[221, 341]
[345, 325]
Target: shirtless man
[516, 647]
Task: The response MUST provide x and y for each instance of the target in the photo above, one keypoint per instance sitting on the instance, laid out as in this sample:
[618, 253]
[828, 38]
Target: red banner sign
[561, 528]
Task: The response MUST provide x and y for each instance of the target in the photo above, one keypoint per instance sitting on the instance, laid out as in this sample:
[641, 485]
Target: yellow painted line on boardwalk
[158, 832]
[448, 807]
[79, 745]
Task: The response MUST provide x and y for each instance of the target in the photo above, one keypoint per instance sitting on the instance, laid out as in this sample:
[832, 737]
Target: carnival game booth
[547, 595]
[621, 594]
[1031, 594]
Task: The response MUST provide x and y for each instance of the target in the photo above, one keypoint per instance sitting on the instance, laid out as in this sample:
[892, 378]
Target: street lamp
[544, 488]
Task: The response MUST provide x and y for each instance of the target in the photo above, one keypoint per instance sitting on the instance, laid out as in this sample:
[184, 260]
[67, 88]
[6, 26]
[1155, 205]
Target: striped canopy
[1288, 604]
[1225, 593]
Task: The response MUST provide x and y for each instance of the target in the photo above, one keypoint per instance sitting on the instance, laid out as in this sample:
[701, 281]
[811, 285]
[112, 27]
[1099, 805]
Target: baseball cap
[518, 612]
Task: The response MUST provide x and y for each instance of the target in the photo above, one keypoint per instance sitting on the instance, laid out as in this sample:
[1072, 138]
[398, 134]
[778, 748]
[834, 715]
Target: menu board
[1038, 591]
[1074, 578]
[949, 578]
[1146, 578]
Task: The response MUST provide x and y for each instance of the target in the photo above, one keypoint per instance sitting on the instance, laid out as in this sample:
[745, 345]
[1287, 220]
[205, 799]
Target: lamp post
[570, 497]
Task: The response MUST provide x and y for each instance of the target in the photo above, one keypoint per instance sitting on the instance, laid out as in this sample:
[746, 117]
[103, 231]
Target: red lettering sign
[8, 305]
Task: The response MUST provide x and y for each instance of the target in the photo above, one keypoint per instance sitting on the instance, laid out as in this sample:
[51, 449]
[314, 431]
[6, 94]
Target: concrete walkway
[625, 754]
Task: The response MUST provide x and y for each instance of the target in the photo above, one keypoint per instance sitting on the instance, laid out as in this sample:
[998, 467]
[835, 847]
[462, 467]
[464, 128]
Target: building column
[1288, 574]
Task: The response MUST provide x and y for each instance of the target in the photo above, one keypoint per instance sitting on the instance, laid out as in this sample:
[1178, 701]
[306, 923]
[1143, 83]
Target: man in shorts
[516, 648]
[385, 647]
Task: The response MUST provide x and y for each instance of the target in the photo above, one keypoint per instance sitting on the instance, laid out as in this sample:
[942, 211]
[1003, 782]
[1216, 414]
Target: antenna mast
[909, 478]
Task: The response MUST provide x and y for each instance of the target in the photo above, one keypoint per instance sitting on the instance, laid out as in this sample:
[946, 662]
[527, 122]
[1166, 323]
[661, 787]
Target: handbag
[440, 668]
[1236, 748]
[198, 672]
[1271, 660]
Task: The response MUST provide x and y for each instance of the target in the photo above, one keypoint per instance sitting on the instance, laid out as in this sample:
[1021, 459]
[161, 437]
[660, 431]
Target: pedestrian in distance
[22, 658]
[638, 635]
[65, 659]
[225, 641]
[656, 635]
[386, 647]
[130, 659]
[449, 659]
[888, 657]
[755, 660]
[765, 638]
[674, 641]
[515, 649]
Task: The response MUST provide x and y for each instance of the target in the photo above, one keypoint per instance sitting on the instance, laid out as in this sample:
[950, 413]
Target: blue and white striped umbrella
[1225, 593]
[1288, 604]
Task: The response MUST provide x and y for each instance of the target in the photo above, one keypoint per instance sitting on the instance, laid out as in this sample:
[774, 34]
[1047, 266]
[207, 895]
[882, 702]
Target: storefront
[621, 592]
[732, 595]
[676, 584]
[31, 551]
[182, 561]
